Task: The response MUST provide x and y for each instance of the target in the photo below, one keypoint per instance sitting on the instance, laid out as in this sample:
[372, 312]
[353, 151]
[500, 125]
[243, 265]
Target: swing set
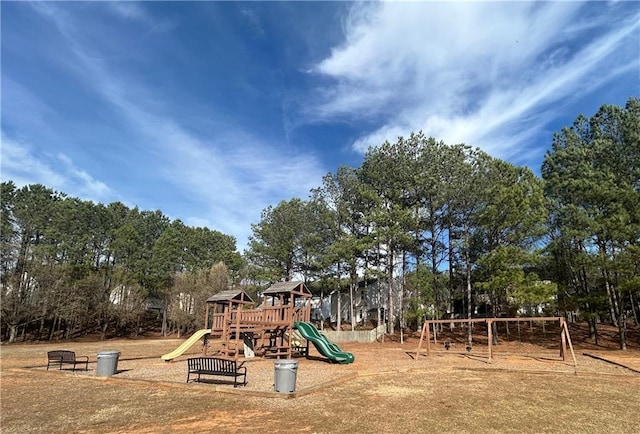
[565, 338]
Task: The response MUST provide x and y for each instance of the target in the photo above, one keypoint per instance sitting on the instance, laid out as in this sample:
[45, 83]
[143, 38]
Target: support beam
[566, 329]
[490, 338]
[564, 332]
[421, 338]
[563, 341]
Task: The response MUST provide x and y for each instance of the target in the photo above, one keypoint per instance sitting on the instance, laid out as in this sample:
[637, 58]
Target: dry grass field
[526, 389]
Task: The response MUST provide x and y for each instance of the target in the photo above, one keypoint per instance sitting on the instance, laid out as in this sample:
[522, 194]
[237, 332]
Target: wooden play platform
[264, 330]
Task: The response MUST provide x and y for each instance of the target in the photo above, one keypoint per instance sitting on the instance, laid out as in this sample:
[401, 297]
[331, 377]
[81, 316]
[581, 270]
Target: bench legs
[81, 362]
[59, 363]
[244, 379]
[54, 362]
[235, 378]
[197, 380]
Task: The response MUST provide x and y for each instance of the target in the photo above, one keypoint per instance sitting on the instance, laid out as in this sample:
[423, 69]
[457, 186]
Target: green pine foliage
[444, 229]
[494, 236]
[70, 267]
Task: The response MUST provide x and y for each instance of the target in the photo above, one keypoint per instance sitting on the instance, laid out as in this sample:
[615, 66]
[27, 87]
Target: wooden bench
[64, 357]
[216, 366]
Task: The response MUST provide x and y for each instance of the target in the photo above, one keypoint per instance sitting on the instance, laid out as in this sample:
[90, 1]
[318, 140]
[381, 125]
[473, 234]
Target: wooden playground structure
[267, 330]
[564, 337]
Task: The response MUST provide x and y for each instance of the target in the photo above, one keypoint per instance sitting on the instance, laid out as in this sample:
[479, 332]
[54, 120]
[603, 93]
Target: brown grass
[389, 392]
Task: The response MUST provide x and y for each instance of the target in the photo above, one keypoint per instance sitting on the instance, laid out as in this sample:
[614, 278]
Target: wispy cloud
[114, 100]
[136, 13]
[253, 20]
[481, 73]
[128, 10]
[27, 109]
[230, 175]
[23, 166]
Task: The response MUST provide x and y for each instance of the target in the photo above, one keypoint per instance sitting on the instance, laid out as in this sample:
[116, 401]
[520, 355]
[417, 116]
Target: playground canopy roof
[298, 288]
[235, 295]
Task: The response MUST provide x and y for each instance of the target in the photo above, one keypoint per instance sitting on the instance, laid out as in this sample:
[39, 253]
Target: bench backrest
[212, 364]
[63, 355]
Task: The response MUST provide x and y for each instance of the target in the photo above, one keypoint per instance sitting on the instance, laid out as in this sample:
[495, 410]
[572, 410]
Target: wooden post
[566, 329]
[238, 339]
[205, 347]
[531, 328]
[261, 321]
[421, 337]
[563, 341]
[428, 340]
[292, 301]
[226, 333]
[490, 337]
[435, 333]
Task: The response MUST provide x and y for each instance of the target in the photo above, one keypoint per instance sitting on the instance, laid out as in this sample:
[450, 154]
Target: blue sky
[211, 111]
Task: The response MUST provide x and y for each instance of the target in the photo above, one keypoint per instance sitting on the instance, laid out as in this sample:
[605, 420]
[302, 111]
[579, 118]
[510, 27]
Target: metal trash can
[107, 363]
[285, 374]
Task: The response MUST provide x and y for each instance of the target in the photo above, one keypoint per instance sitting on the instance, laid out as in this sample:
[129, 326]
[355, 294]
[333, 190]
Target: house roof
[230, 295]
[153, 303]
[287, 288]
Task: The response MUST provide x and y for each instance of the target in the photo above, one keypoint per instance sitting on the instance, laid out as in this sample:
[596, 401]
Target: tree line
[449, 225]
[446, 228]
[69, 266]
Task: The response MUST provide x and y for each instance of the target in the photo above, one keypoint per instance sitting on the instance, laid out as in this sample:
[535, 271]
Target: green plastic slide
[322, 344]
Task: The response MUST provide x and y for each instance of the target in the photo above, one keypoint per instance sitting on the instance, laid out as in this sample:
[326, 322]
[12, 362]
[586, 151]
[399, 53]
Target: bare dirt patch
[526, 388]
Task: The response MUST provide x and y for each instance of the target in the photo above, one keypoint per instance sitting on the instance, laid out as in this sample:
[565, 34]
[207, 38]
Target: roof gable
[288, 288]
[236, 295]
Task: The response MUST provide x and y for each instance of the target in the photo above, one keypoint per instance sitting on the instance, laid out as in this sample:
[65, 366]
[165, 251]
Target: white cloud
[481, 73]
[136, 13]
[253, 20]
[233, 185]
[85, 185]
[128, 10]
[22, 165]
[230, 176]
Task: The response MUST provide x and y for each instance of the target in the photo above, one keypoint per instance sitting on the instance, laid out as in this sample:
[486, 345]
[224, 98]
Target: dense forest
[448, 225]
[443, 226]
[69, 265]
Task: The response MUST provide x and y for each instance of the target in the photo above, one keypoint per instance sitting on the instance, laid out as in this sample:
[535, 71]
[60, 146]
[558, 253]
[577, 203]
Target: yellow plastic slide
[186, 345]
[295, 338]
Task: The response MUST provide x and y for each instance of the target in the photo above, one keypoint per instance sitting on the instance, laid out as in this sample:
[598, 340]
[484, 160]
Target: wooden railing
[266, 315]
[217, 321]
[248, 316]
[302, 314]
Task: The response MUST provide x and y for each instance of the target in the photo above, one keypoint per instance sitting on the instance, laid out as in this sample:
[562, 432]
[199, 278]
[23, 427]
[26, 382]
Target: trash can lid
[108, 353]
[286, 362]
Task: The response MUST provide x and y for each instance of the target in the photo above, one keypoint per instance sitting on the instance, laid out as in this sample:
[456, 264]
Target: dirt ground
[525, 388]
